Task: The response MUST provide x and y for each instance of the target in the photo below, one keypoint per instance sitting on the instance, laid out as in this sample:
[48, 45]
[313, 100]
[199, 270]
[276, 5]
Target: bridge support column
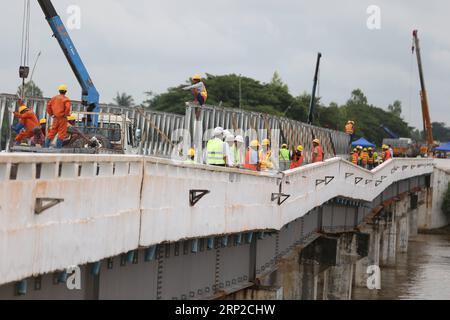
[402, 216]
[372, 258]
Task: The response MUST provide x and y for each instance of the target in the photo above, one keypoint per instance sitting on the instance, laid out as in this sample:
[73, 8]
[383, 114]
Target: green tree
[396, 108]
[441, 132]
[31, 90]
[124, 100]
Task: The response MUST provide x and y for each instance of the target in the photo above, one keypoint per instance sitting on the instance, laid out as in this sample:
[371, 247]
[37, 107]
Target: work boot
[47, 143]
[59, 144]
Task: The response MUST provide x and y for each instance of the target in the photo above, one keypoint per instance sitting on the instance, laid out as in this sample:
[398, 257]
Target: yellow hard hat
[72, 117]
[62, 87]
[359, 147]
[385, 147]
[265, 142]
[365, 149]
[284, 145]
[191, 152]
[197, 77]
[254, 143]
[316, 141]
[43, 121]
[22, 108]
[300, 148]
[370, 149]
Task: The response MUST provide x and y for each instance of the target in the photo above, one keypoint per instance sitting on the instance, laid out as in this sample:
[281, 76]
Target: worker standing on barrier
[251, 160]
[364, 158]
[285, 158]
[216, 149]
[236, 151]
[350, 128]
[265, 156]
[59, 109]
[317, 152]
[28, 120]
[355, 157]
[297, 158]
[371, 160]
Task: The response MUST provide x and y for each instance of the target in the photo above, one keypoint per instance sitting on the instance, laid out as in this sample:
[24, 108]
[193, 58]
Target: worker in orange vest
[58, 108]
[297, 159]
[360, 149]
[28, 119]
[251, 161]
[317, 151]
[350, 127]
[364, 158]
[386, 153]
[355, 157]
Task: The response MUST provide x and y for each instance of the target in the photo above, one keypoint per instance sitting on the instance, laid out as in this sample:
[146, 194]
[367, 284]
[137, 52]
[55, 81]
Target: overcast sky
[136, 46]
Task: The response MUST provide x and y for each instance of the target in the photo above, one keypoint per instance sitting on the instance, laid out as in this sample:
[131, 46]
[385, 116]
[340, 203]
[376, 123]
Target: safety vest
[296, 162]
[386, 155]
[247, 164]
[236, 155]
[371, 159]
[349, 128]
[215, 152]
[317, 154]
[355, 158]
[364, 158]
[265, 159]
[284, 155]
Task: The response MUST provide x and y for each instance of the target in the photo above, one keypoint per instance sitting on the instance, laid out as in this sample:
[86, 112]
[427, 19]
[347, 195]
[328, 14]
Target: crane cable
[25, 45]
[411, 75]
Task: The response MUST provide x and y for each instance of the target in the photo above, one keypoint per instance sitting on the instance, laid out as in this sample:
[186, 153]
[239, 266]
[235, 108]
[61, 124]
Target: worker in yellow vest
[364, 158]
[216, 154]
[285, 157]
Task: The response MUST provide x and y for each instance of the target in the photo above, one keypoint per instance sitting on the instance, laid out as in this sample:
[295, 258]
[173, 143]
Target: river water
[421, 274]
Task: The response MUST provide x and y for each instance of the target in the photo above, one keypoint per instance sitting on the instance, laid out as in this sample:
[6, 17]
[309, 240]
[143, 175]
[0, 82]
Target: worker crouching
[297, 159]
[28, 120]
[59, 108]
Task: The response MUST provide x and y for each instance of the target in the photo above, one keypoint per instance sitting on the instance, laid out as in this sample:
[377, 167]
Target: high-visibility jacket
[28, 119]
[371, 159]
[296, 161]
[349, 128]
[386, 155]
[59, 106]
[355, 158]
[264, 157]
[284, 155]
[317, 154]
[215, 152]
[247, 163]
[364, 158]
[236, 153]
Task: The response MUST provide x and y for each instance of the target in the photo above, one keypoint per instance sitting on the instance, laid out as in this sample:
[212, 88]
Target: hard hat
[43, 121]
[355, 150]
[239, 139]
[218, 131]
[229, 138]
[300, 148]
[359, 147]
[191, 152]
[197, 77]
[284, 145]
[72, 117]
[385, 147]
[365, 149]
[22, 108]
[370, 149]
[254, 143]
[226, 133]
[62, 87]
[316, 141]
[265, 142]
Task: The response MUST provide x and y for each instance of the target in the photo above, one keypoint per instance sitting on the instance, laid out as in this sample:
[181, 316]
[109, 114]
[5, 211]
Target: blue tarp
[363, 143]
[444, 147]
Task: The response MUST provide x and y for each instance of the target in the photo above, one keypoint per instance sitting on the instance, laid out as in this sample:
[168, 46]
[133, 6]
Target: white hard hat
[218, 131]
[226, 133]
[229, 138]
[239, 139]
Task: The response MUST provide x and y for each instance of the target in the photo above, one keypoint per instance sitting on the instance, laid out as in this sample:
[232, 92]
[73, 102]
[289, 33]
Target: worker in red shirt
[59, 107]
[28, 119]
[386, 153]
[317, 151]
[297, 159]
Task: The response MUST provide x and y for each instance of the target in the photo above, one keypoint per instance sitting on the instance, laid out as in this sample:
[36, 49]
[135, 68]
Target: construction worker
[377, 158]
[72, 132]
[229, 143]
[43, 124]
[216, 149]
[350, 128]
[198, 90]
[297, 158]
[265, 156]
[317, 151]
[191, 156]
[391, 150]
[285, 157]
[28, 120]
[364, 158]
[386, 153]
[251, 160]
[355, 157]
[360, 149]
[371, 160]
[59, 109]
[236, 151]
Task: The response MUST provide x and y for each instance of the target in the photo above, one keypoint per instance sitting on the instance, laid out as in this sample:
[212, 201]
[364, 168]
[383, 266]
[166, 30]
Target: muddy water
[423, 273]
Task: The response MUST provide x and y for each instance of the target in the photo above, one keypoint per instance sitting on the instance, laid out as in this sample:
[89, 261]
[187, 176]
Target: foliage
[31, 90]
[124, 100]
